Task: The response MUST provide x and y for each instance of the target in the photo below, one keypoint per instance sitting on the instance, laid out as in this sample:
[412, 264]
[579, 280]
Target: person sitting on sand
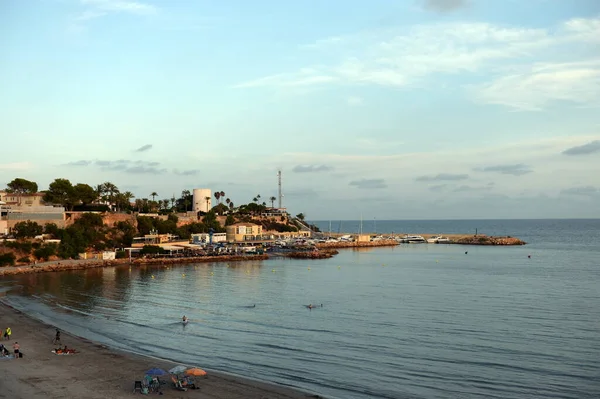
[185, 318]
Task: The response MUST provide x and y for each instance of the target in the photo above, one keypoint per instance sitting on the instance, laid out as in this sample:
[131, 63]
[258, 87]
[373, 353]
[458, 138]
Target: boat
[412, 239]
[438, 240]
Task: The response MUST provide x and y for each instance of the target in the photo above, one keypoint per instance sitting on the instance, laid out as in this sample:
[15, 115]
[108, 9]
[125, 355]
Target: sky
[415, 109]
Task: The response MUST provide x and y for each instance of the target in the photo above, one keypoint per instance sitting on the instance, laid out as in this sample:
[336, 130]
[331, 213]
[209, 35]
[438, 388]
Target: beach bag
[20, 354]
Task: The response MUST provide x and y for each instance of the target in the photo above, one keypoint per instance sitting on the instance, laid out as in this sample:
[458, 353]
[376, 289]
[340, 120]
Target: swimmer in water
[184, 319]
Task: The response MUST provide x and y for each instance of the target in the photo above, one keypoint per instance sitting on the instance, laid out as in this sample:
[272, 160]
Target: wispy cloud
[438, 187]
[586, 191]
[354, 100]
[443, 177]
[94, 9]
[125, 6]
[514, 170]
[79, 163]
[144, 148]
[189, 172]
[508, 55]
[125, 166]
[538, 86]
[589, 148]
[369, 183]
[15, 166]
[311, 168]
[466, 188]
[444, 5]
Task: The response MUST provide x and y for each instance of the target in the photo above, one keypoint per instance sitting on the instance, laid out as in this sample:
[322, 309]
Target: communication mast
[279, 187]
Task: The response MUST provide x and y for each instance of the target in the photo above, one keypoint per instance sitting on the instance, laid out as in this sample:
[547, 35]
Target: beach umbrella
[177, 369]
[195, 372]
[156, 371]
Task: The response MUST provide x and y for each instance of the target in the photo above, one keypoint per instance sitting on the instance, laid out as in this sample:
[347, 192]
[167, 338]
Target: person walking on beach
[57, 337]
[17, 349]
[7, 333]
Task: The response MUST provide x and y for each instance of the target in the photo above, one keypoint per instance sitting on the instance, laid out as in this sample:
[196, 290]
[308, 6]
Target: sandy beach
[99, 372]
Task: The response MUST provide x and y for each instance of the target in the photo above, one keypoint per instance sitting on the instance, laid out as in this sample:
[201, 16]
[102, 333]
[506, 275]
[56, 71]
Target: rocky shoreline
[312, 254]
[90, 264]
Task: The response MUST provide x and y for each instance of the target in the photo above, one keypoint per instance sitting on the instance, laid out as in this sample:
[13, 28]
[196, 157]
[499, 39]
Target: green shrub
[7, 259]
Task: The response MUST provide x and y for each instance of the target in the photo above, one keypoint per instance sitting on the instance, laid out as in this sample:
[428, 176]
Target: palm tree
[207, 199]
[222, 194]
[255, 199]
[217, 195]
[227, 201]
[138, 204]
[165, 204]
[153, 195]
[185, 195]
[272, 199]
[173, 201]
[230, 205]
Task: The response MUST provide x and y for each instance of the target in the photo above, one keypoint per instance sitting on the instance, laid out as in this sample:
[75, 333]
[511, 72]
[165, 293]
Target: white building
[204, 238]
[202, 200]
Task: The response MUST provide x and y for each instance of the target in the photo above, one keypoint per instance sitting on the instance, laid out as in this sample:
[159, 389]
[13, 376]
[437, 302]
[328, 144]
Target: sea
[410, 321]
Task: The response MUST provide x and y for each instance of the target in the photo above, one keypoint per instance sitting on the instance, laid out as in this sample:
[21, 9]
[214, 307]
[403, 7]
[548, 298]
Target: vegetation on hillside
[88, 231]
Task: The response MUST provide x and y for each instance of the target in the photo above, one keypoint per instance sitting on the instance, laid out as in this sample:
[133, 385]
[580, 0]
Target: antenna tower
[279, 187]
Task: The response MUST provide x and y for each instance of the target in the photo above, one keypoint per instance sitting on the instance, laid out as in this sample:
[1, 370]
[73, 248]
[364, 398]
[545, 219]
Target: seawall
[90, 264]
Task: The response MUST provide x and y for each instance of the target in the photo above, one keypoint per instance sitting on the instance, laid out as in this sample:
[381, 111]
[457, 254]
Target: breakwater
[312, 254]
[356, 244]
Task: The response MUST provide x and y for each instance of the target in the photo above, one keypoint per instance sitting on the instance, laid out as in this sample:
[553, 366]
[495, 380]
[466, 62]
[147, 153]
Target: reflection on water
[432, 323]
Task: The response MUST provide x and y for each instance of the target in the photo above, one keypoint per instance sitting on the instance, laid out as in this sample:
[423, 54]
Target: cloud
[189, 172]
[438, 187]
[122, 6]
[311, 168]
[444, 5]
[354, 101]
[15, 166]
[79, 163]
[127, 166]
[539, 86]
[304, 77]
[466, 188]
[302, 192]
[443, 177]
[506, 57]
[369, 183]
[515, 170]
[144, 148]
[589, 148]
[94, 9]
[586, 191]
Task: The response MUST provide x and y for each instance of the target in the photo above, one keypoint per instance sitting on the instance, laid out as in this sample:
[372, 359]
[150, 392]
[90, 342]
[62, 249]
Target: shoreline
[98, 371]
[81, 264]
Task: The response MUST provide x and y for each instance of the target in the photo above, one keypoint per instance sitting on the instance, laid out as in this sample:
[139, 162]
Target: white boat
[412, 239]
[438, 240]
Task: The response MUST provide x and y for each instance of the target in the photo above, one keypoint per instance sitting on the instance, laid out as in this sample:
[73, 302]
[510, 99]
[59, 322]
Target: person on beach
[57, 337]
[16, 348]
[184, 319]
[7, 333]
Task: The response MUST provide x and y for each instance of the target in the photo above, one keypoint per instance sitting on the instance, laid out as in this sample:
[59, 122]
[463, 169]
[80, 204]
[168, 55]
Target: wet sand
[100, 372]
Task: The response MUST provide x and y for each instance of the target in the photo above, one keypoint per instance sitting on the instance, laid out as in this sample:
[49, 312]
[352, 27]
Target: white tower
[202, 198]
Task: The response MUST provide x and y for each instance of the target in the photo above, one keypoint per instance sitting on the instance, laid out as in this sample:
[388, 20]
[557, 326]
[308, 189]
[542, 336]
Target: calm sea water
[413, 321]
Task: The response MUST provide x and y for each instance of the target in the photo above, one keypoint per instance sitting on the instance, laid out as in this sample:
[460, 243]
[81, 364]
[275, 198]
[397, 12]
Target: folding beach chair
[137, 385]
